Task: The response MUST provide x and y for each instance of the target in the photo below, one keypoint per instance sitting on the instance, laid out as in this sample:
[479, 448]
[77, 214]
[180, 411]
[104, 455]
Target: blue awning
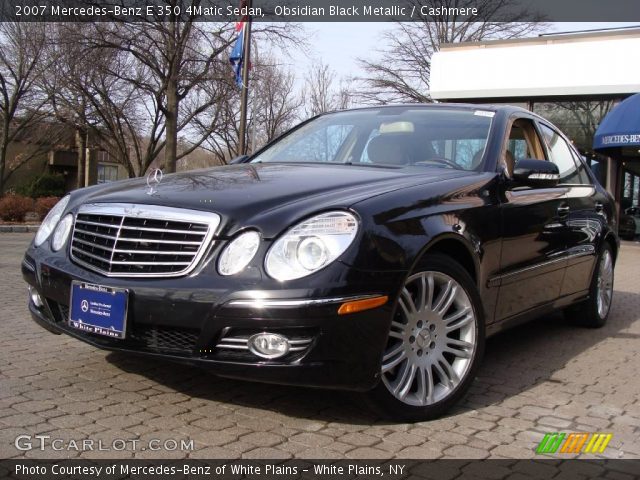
[621, 126]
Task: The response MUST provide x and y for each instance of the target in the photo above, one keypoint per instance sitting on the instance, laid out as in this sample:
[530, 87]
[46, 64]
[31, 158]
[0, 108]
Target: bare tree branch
[401, 71]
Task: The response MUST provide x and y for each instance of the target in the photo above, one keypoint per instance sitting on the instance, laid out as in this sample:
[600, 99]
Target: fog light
[268, 345]
[35, 297]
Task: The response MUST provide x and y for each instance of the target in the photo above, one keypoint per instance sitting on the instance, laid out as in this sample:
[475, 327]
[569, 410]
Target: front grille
[64, 313]
[153, 338]
[59, 312]
[165, 339]
[122, 240]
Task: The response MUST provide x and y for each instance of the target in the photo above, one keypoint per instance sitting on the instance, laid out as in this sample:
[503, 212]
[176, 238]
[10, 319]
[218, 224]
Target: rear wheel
[435, 342]
[594, 311]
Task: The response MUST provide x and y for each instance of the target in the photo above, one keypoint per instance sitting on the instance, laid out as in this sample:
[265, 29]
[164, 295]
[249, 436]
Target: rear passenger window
[561, 154]
[582, 167]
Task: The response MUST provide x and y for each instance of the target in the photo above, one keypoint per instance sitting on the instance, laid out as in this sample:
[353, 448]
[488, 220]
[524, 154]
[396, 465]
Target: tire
[594, 311]
[435, 343]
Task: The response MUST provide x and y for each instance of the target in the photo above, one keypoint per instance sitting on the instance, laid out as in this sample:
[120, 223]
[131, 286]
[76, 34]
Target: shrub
[48, 185]
[44, 204]
[13, 207]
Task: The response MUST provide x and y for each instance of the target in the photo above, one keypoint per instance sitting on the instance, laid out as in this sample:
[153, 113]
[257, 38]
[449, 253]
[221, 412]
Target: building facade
[574, 80]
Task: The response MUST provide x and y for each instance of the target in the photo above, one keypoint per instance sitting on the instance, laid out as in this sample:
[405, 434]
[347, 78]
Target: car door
[585, 216]
[533, 254]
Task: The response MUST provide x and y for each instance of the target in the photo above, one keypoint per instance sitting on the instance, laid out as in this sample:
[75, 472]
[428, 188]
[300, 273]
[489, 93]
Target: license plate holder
[99, 309]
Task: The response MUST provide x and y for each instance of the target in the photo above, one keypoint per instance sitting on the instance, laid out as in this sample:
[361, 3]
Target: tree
[108, 88]
[69, 69]
[178, 55]
[22, 105]
[321, 94]
[276, 105]
[273, 108]
[401, 71]
[181, 54]
[130, 123]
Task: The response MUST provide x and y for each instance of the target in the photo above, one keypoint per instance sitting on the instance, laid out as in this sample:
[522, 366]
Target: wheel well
[456, 250]
[614, 246]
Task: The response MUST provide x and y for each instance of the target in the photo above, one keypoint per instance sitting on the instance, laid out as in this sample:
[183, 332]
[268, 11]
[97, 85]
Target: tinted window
[582, 167]
[404, 137]
[561, 154]
[599, 169]
[517, 144]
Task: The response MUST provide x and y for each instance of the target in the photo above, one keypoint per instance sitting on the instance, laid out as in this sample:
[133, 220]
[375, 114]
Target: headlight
[311, 245]
[61, 233]
[50, 221]
[237, 255]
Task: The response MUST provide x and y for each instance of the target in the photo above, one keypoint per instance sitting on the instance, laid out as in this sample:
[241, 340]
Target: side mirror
[240, 159]
[536, 173]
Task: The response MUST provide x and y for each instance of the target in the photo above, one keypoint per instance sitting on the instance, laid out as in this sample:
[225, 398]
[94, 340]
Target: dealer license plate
[98, 309]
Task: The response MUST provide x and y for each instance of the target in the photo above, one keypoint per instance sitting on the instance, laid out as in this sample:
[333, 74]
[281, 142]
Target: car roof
[502, 110]
[462, 106]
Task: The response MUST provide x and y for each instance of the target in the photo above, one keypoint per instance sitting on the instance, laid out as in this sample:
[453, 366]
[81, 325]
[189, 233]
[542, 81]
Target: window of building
[102, 156]
[107, 173]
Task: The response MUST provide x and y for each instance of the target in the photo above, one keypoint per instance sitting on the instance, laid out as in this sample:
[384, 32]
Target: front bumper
[188, 319]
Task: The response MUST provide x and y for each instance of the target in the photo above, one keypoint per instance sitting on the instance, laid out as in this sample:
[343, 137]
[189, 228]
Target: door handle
[599, 207]
[564, 210]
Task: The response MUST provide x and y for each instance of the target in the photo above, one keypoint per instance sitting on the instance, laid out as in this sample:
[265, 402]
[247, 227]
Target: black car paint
[524, 256]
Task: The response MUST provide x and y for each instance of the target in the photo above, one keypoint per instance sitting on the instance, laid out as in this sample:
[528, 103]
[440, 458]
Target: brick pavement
[541, 377]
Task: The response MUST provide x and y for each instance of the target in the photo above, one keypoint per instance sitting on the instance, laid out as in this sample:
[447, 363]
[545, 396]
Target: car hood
[268, 196]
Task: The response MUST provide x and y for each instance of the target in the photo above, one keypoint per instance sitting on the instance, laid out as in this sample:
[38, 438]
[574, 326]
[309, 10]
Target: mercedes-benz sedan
[371, 250]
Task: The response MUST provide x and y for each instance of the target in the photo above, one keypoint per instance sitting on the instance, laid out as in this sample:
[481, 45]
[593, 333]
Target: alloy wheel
[605, 284]
[432, 340]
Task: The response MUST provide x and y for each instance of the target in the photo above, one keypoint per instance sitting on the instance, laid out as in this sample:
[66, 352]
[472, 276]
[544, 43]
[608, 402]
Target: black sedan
[371, 250]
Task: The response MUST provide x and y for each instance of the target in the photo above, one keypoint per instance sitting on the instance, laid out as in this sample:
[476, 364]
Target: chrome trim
[275, 303]
[152, 252]
[242, 343]
[149, 263]
[101, 235]
[100, 259]
[101, 247]
[150, 240]
[588, 250]
[161, 230]
[97, 224]
[28, 266]
[152, 212]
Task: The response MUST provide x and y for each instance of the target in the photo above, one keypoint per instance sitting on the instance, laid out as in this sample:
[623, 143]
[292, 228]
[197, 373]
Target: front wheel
[435, 342]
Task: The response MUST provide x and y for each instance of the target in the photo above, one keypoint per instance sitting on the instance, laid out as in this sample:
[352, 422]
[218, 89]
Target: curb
[18, 228]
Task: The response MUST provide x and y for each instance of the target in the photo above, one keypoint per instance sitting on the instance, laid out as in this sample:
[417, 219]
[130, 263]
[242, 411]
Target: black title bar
[315, 469]
[321, 10]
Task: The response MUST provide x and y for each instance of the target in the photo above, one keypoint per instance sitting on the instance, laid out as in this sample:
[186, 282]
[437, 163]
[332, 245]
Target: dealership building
[575, 80]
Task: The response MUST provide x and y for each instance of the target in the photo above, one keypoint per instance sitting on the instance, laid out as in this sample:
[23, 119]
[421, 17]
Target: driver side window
[523, 142]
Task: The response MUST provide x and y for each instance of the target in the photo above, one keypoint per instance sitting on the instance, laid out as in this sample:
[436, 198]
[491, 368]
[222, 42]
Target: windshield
[400, 137]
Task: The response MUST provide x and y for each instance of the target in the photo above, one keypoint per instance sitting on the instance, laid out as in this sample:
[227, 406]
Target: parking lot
[546, 376]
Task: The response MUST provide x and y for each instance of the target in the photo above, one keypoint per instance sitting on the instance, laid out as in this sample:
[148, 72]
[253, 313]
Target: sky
[339, 44]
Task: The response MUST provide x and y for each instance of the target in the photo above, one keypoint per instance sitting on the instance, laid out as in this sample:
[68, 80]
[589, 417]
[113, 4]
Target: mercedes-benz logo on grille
[153, 180]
